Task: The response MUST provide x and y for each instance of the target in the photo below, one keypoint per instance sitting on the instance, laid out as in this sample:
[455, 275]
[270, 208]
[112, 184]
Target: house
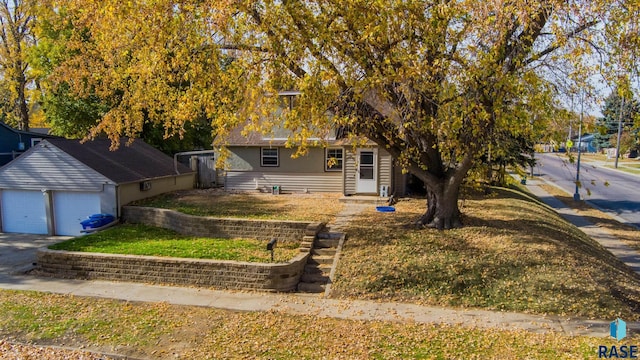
[586, 143]
[59, 182]
[258, 162]
[14, 142]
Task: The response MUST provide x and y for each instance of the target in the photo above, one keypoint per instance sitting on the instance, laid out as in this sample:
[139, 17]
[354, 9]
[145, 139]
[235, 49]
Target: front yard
[514, 254]
[162, 331]
[217, 203]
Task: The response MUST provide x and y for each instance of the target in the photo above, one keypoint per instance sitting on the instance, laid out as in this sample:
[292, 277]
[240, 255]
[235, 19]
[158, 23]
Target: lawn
[214, 202]
[513, 254]
[136, 239]
[163, 331]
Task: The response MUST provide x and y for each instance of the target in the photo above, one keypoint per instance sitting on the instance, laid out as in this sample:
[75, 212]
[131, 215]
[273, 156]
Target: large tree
[429, 81]
[16, 22]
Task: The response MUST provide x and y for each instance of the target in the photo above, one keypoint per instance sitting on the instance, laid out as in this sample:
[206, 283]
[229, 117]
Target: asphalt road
[611, 190]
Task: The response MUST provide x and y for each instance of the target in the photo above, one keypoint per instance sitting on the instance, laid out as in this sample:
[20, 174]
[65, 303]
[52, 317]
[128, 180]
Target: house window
[269, 157]
[35, 141]
[333, 159]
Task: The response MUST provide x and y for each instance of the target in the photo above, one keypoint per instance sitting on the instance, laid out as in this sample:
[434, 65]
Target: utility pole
[619, 130]
[576, 195]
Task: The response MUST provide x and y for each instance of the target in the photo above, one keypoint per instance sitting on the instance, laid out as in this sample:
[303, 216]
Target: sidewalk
[303, 304]
[299, 304]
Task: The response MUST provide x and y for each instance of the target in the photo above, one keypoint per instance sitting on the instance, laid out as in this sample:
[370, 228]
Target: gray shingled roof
[134, 162]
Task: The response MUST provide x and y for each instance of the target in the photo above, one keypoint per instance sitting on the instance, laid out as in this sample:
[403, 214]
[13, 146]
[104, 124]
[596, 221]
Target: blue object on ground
[97, 220]
[385, 208]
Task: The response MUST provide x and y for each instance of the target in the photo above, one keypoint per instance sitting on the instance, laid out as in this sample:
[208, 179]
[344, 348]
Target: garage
[70, 208]
[23, 211]
[58, 183]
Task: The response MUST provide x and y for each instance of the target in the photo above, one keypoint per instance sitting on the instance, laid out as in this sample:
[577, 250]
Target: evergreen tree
[607, 126]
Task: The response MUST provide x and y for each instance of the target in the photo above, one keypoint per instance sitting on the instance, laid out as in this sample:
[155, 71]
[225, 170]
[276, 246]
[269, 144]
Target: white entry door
[367, 176]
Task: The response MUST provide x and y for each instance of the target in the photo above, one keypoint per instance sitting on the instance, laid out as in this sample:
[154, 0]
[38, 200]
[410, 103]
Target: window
[269, 157]
[35, 141]
[333, 160]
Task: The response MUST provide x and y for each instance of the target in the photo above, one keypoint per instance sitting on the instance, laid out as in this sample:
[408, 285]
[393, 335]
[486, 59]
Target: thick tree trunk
[442, 207]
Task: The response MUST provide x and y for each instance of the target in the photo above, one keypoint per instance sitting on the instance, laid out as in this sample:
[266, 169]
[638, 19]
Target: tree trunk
[442, 207]
[22, 109]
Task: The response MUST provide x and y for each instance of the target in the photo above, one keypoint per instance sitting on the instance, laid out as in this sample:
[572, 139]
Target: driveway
[18, 251]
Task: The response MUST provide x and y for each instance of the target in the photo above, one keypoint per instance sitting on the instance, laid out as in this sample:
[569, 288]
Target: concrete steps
[317, 272]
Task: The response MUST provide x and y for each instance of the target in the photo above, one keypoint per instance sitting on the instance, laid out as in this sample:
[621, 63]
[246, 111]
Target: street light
[576, 195]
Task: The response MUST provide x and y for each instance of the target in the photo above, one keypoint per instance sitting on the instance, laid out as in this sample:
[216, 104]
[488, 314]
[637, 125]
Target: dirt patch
[252, 205]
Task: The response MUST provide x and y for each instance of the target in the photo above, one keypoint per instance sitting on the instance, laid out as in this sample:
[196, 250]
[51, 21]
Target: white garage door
[23, 211]
[70, 208]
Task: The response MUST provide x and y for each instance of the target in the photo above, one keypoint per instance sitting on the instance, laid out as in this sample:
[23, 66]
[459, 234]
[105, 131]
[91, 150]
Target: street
[609, 189]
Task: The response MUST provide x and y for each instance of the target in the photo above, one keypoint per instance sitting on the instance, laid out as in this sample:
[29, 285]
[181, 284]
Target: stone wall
[215, 227]
[173, 271]
[220, 274]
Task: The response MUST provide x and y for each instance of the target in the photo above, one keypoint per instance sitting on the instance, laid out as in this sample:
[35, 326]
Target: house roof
[277, 138]
[129, 163]
[39, 132]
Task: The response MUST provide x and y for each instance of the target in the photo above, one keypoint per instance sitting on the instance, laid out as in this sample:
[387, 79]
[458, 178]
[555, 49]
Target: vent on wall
[145, 186]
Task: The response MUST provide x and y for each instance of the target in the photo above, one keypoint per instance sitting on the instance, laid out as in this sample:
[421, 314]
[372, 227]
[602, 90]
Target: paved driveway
[18, 251]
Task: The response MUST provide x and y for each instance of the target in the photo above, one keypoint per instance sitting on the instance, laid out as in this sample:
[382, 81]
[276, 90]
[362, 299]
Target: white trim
[326, 159]
[367, 185]
[262, 157]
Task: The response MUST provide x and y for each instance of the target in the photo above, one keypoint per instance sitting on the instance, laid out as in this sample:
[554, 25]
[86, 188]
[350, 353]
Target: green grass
[138, 239]
[513, 254]
[163, 331]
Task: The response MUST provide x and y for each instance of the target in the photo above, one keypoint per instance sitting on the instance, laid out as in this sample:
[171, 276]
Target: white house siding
[288, 182]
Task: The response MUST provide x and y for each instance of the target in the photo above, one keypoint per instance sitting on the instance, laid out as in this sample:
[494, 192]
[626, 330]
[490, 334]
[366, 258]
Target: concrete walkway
[319, 306]
[298, 304]
[628, 255]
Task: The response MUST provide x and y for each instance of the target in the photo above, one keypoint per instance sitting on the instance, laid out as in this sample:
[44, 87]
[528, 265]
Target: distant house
[586, 143]
[259, 162]
[14, 142]
[58, 183]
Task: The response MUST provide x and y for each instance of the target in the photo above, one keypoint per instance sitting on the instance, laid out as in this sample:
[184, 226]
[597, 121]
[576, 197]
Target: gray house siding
[385, 170]
[350, 172]
[288, 182]
[305, 173]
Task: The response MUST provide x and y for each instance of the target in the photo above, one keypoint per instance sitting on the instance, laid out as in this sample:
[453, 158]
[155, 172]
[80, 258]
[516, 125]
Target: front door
[367, 176]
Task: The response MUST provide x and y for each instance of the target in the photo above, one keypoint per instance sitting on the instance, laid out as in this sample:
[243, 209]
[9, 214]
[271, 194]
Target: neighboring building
[586, 143]
[58, 183]
[14, 142]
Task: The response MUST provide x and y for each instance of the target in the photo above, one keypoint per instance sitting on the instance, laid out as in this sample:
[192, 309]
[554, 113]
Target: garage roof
[130, 162]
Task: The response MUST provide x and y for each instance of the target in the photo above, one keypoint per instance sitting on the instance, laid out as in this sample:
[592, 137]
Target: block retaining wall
[215, 227]
[173, 271]
[178, 271]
